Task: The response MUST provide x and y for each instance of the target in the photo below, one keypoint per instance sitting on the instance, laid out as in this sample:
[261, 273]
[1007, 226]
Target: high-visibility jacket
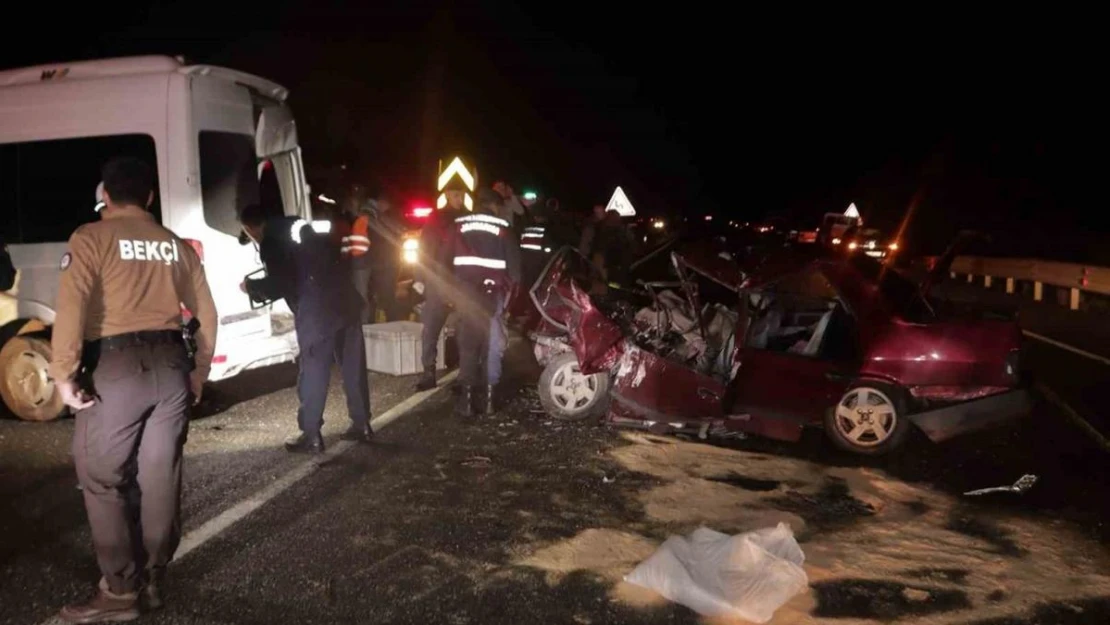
[356, 242]
[305, 267]
[484, 253]
[534, 239]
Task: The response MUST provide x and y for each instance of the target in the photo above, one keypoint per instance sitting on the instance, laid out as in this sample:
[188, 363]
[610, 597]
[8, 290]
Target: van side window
[270, 190]
[228, 178]
[48, 188]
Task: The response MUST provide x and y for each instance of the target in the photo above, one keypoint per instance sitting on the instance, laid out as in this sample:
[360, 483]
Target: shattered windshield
[902, 293]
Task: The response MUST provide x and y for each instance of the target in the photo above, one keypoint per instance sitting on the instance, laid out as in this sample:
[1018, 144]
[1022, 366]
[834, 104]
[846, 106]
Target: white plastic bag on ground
[748, 575]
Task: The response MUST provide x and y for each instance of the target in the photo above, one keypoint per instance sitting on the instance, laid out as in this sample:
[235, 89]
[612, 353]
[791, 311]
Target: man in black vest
[484, 252]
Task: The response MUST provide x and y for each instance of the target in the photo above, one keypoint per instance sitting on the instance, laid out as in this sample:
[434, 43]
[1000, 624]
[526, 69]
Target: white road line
[1075, 350]
[1074, 416]
[215, 526]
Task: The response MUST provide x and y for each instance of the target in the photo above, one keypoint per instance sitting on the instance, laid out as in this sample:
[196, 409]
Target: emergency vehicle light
[409, 250]
[421, 212]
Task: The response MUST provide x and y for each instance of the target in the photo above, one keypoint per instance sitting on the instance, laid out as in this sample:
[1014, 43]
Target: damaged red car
[844, 344]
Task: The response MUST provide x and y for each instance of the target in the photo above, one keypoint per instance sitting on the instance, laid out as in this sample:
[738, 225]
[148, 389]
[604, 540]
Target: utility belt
[94, 351]
[138, 339]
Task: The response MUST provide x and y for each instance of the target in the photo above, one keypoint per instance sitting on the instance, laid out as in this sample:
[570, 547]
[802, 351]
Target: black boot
[464, 407]
[428, 380]
[306, 443]
[358, 434]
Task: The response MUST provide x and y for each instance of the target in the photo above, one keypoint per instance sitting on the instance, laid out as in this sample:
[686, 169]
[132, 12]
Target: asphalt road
[517, 519]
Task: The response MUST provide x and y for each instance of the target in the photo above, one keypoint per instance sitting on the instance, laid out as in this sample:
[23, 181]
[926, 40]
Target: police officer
[434, 280]
[119, 361]
[304, 265]
[485, 257]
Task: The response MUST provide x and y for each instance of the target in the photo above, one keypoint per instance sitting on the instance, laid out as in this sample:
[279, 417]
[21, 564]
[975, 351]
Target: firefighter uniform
[484, 254]
[118, 336]
[305, 265]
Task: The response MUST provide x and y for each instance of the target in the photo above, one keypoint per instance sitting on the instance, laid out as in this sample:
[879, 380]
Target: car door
[776, 393]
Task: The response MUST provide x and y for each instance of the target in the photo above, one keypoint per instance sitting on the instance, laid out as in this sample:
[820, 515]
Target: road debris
[1023, 484]
[746, 576]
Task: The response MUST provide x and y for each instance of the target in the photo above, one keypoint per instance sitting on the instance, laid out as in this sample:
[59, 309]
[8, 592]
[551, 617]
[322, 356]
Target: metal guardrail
[1074, 277]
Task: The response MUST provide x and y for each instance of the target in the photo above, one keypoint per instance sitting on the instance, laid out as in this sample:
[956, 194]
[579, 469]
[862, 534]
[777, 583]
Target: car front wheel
[568, 394]
[870, 419]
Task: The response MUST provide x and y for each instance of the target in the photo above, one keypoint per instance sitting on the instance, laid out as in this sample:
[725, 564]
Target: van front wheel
[25, 385]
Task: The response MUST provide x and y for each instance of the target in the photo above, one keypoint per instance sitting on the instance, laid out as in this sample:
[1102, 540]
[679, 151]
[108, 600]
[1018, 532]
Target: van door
[276, 142]
[226, 135]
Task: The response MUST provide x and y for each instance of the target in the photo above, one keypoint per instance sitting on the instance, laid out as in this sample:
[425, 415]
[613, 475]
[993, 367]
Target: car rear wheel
[870, 419]
[25, 384]
[568, 394]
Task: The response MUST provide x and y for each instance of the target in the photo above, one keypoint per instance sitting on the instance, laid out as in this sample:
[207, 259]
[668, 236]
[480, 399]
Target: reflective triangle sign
[619, 203]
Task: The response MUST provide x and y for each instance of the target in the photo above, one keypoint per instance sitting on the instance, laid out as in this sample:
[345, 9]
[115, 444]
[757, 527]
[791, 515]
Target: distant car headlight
[852, 245]
[893, 247]
[410, 251]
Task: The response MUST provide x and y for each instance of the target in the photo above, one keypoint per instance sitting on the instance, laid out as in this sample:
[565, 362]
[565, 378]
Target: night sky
[976, 121]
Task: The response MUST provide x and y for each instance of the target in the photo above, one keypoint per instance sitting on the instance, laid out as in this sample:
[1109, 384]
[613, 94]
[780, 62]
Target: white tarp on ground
[748, 576]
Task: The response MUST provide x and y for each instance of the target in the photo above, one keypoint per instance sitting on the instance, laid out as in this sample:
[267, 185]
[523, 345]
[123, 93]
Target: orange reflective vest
[357, 243]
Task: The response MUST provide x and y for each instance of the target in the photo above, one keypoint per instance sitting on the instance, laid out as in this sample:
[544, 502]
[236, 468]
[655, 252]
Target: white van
[220, 139]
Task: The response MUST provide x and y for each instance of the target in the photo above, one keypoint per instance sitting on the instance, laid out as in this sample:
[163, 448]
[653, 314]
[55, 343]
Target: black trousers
[475, 315]
[346, 347]
[433, 316]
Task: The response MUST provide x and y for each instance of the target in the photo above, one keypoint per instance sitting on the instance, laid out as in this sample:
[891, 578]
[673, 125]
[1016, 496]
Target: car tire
[569, 395]
[870, 419]
[25, 385]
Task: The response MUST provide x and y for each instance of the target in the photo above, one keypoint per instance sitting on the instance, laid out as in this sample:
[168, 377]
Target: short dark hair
[252, 215]
[128, 181]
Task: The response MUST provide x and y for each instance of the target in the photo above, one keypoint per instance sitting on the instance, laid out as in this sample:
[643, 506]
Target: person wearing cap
[434, 277]
[484, 254]
[120, 363]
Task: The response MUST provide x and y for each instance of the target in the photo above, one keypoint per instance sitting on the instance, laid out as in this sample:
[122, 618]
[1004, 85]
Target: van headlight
[410, 251]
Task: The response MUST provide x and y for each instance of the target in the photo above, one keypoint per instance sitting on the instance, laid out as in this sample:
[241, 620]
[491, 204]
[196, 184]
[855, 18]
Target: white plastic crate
[395, 347]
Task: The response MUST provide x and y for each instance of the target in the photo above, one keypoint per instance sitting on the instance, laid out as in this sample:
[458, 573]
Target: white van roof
[132, 65]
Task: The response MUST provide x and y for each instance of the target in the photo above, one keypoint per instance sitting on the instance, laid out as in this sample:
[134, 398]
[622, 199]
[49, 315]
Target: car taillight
[421, 212]
[198, 247]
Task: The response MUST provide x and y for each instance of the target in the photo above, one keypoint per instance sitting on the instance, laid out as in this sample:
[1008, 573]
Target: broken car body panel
[801, 333]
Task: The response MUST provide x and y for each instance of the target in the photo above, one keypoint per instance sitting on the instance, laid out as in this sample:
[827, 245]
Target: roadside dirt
[877, 549]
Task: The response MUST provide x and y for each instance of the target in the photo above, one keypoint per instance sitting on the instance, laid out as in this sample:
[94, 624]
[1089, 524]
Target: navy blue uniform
[307, 269]
[434, 239]
[485, 254]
